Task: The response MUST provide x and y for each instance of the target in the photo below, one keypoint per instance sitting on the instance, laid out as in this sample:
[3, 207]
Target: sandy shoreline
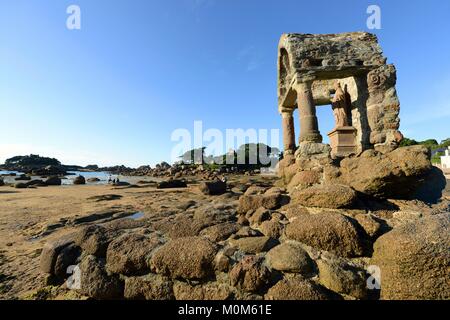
[26, 213]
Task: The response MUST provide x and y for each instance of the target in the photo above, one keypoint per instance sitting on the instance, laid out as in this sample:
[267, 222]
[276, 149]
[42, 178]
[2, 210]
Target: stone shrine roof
[326, 56]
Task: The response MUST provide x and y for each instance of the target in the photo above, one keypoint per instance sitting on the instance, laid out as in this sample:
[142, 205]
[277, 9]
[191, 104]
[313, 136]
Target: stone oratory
[347, 71]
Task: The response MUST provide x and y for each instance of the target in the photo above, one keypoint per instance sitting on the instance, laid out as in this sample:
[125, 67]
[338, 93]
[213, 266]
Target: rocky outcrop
[296, 289]
[304, 179]
[373, 225]
[332, 196]
[30, 184]
[290, 257]
[186, 258]
[213, 187]
[250, 274]
[172, 183]
[414, 259]
[266, 200]
[341, 277]
[271, 228]
[79, 180]
[53, 181]
[65, 258]
[20, 185]
[128, 254]
[430, 190]
[36, 183]
[96, 282]
[22, 177]
[148, 287]
[210, 291]
[206, 249]
[50, 170]
[219, 232]
[253, 245]
[94, 239]
[54, 259]
[397, 174]
[328, 231]
[259, 216]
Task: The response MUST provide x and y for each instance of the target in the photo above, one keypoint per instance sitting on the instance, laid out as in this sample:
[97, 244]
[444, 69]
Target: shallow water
[68, 180]
[137, 215]
[102, 175]
[5, 172]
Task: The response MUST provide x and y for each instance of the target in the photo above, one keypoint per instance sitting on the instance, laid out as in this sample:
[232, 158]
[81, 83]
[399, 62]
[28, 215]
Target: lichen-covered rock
[268, 201]
[222, 262]
[260, 215]
[250, 274]
[397, 174]
[331, 196]
[67, 257]
[181, 226]
[220, 232]
[242, 220]
[94, 239]
[296, 289]
[338, 276]
[275, 190]
[294, 210]
[148, 287]
[95, 281]
[373, 226]
[50, 252]
[271, 229]
[253, 245]
[255, 190]
[304, 179]
[310, 150]
[186, 258]
[402, 217]
[213, 187]
[207, 291]
[246, 232]
[287, 169]
[129, 253]
[414, 259]
[215, 214]
[329, 231]
[290, 257]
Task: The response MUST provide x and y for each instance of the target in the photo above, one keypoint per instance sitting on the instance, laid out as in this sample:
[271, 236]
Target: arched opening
[284, 72]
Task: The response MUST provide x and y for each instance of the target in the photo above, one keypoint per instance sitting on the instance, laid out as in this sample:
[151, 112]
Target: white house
[445, 160]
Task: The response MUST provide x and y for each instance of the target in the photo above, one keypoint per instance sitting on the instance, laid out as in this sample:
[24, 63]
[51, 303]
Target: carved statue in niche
[348, 103]
[340, 104]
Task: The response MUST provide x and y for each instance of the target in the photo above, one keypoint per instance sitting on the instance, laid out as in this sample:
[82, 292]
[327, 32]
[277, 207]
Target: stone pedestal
[343, 141]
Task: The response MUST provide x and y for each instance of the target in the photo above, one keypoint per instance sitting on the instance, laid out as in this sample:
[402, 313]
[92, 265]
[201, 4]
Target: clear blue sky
[114, 91]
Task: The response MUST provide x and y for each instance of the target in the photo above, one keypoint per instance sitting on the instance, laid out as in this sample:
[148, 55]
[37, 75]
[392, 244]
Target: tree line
[437, 149]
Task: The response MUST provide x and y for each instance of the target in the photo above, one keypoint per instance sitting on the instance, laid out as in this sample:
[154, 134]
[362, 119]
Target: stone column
[309, 128]
[288, 131]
